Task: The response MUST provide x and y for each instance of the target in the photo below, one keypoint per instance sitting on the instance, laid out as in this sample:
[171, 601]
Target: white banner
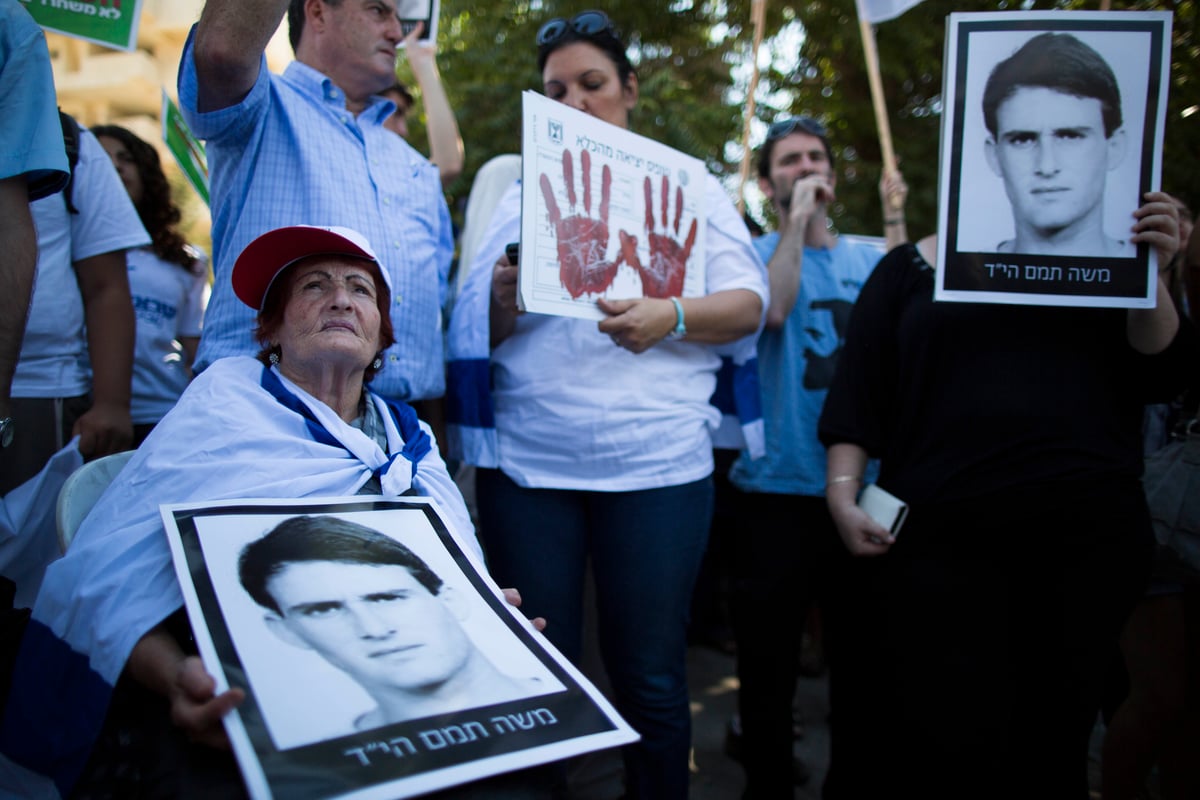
[876, 11]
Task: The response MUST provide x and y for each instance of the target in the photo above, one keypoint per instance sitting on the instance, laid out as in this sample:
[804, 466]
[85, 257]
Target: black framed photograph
[411, 12]
[1052, 132]
[378, 658]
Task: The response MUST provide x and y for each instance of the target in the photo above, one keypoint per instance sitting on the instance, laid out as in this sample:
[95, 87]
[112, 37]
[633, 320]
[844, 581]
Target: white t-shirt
[574, 411]
[52, 360]
[169, 302]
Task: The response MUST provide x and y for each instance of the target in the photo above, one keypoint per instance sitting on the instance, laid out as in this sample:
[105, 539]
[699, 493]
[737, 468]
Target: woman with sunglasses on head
[602, 441]
[168, 281]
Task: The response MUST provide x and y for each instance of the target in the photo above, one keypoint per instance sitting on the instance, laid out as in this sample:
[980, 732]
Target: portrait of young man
[1052, 134]
[1053, 114]
[374, 650]
[374, 610]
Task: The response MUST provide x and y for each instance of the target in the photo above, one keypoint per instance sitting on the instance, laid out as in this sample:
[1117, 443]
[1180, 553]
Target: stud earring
[273, 357]
[377, 363]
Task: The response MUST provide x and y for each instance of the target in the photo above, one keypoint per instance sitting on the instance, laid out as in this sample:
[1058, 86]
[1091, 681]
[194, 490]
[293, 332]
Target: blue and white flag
[28, 531]
[239, 431]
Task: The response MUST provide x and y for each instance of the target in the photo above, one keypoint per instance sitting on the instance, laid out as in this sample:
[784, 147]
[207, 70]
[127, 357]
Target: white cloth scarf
[228, 438]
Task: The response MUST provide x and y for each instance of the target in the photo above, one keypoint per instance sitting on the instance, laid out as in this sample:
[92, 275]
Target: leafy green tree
[686, 53]
[830, 83]
[683, 52]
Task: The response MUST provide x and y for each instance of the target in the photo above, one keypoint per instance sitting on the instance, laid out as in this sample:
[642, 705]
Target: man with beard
[789, 552]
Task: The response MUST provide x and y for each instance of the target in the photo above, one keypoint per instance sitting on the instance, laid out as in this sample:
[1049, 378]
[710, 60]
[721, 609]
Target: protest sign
[1052, 133]
[187, 149]
[112, 23]
[378, 658]
[604, 213]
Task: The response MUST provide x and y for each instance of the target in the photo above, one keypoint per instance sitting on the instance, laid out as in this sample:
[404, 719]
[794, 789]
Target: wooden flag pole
[876, 84]
[758, 10]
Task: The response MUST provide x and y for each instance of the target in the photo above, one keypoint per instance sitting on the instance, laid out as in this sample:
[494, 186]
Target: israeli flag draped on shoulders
[240, 431]
[470, 420]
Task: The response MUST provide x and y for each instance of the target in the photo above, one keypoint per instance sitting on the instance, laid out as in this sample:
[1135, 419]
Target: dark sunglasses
[786, 127]
[585, 23]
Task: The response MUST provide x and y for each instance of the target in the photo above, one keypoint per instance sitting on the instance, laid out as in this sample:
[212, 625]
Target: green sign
[187, 149]
[112, 23]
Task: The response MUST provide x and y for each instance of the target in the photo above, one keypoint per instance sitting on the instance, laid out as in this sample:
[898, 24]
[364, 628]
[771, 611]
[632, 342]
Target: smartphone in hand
[883, 507]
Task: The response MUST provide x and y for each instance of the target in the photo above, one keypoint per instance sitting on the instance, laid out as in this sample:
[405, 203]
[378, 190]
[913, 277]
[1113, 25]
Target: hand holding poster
[377, 657]
[1052, 135]
[411, 12]
[604, 213]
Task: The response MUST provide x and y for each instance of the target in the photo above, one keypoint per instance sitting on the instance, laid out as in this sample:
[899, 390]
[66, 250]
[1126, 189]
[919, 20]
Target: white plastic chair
[81, 491]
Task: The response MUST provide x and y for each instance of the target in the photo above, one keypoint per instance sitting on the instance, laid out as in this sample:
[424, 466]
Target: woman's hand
[862, 535]
[1158, 226]
[1150, 330]
[503, 313]
[514, 599]
[639, 324]
[195, 709]
[159, 664]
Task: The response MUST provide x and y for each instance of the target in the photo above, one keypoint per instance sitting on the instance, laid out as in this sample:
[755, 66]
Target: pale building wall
[98, 85]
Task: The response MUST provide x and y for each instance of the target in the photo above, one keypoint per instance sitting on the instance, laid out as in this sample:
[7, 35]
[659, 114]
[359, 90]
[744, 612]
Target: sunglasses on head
[786, 127]
[585, 23]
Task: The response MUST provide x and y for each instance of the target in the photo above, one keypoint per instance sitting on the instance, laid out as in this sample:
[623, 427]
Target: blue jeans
[645, 549]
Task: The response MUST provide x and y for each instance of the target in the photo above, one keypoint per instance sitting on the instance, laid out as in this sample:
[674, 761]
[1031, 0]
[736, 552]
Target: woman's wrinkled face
[583, 77]
[332, 315]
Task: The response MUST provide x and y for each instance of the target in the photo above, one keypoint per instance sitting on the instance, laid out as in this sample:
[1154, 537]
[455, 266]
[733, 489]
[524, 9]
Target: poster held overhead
[111, 23]
[1052, 134]
[411, 12]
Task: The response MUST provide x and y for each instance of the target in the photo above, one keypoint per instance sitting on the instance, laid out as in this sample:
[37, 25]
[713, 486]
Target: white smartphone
[883, 507]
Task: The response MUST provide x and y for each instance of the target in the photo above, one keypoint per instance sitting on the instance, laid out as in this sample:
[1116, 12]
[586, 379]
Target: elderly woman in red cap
[298, 421]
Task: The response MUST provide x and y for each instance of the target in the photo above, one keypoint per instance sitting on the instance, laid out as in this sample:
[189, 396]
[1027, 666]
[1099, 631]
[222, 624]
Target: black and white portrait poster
[378, 658]
[411, 12]
[1051, 133]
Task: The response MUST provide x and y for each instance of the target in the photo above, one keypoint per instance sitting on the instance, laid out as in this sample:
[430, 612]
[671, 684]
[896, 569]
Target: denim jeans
[645, 548]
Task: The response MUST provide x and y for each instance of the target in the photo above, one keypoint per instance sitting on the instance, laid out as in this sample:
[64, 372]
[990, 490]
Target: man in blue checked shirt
[309, 147]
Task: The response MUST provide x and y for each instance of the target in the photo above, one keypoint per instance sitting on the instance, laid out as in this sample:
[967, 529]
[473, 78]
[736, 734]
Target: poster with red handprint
[604, 213]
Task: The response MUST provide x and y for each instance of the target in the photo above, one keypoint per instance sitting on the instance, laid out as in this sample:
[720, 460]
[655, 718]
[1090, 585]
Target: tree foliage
[685, 52]
[830, 83]
[682, 51]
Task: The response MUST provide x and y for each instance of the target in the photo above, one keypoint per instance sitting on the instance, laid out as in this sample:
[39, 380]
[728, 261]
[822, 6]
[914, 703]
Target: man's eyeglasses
[786, 127]
[585, 23]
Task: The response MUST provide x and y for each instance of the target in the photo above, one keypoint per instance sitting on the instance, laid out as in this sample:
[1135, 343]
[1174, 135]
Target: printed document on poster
[604, 213]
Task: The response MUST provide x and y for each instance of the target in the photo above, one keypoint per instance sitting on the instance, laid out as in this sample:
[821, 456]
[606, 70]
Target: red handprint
[668, 258]
[582, 241]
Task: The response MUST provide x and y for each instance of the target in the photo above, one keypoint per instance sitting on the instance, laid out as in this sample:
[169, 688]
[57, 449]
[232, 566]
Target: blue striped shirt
[290, 153]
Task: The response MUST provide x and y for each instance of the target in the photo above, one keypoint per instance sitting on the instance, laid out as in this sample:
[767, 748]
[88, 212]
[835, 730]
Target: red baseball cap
[273, 252]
